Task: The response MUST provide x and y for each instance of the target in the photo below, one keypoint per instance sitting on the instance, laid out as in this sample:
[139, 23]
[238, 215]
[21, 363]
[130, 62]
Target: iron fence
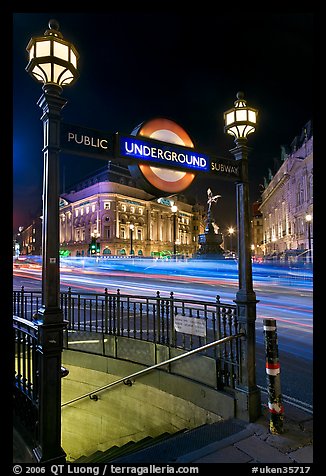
[26, 384]
[149, 318]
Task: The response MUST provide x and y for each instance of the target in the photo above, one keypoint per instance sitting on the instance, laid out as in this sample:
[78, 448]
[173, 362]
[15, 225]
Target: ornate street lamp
[131, 227]
[174, 210]
[240, 121]
[52, 62]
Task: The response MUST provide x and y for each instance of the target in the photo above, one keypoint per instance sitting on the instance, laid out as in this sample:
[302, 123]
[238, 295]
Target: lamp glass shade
[241, 115]
[61, 51]
[229, 118]
[241, 120]
[252, 115]
[43, 48]
[52, 60]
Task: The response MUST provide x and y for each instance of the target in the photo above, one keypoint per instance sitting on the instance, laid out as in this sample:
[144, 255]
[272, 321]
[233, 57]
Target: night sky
[137, 65]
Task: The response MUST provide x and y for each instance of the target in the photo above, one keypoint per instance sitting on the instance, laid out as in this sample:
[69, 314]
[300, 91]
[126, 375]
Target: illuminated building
[287, 201]
[104, 205]
[30, 238]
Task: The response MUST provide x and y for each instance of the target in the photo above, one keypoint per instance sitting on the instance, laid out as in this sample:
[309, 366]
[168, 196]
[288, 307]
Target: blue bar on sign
[164, 154]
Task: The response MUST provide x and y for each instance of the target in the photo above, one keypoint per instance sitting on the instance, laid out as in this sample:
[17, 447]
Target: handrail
[25, 322]
[126, 379]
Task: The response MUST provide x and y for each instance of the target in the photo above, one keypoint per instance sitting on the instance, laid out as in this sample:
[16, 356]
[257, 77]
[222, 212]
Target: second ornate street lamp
[52, 62]
[240, 121]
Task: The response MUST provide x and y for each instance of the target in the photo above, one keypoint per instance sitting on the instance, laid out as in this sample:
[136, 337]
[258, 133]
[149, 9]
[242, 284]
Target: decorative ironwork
[150, 319]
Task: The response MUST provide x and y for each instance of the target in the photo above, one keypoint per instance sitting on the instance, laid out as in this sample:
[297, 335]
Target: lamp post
[240, 121]
[53, 62]
[231, 231]
[174, 210]
[308, 220]
[131, 227]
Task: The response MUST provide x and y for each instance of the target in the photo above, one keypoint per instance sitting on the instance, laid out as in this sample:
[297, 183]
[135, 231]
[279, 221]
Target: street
[284, 293]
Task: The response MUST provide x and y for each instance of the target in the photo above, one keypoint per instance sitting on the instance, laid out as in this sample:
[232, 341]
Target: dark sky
[137, 65]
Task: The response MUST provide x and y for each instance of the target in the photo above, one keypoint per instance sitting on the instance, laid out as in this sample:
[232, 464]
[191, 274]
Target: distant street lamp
[52, 62]
[308, 220]
[174, 210]
[131, 227]
[240, 121]
[231, 231]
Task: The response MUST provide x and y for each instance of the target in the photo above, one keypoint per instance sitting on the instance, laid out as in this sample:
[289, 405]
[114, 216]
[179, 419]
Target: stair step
[170, 449]
[119, 451]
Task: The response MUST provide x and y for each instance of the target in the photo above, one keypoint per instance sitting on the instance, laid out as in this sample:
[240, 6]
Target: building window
[311, 190]
[93, 208]
[139, 234]
[123, 232]
[123, 208]
[107, 205]
[107, 232]
[87, 210]
[132, 209]
[82, 211]
[140, 211]
[76, 213]
[299, 194]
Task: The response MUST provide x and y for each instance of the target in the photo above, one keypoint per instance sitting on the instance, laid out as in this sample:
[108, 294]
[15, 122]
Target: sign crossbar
[78, 140]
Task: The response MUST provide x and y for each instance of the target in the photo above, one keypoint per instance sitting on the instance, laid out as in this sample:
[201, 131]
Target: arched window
[122, 251]
[299, 194]
[106, 251]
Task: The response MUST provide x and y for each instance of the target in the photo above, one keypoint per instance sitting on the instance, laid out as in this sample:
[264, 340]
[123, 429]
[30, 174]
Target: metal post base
[248, 405]
[40, 458]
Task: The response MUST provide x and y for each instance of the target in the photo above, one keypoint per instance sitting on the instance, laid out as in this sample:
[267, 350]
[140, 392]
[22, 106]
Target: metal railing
[126, 380]
[152, 319]
[26, 384]
[138, 317]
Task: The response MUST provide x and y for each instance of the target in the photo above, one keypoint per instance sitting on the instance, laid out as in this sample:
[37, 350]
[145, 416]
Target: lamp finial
[53, 24]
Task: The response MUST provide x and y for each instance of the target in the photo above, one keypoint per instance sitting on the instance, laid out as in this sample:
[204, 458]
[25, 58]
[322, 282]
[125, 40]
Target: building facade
[110, 210]
[287, 202]
[28, 241]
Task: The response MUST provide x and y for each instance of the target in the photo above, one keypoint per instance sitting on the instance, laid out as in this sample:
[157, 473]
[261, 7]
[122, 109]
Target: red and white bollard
[273, 369]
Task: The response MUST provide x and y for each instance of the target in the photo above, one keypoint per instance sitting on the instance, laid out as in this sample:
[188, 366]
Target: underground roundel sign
[159, 180]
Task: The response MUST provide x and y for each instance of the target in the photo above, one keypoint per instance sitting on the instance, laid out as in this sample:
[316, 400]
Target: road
[285, 294]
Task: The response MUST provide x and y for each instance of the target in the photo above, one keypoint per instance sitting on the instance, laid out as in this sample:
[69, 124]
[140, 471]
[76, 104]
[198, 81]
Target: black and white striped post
[275, 406]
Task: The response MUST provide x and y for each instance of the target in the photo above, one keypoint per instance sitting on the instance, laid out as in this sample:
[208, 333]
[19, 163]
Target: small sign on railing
[190, 325]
